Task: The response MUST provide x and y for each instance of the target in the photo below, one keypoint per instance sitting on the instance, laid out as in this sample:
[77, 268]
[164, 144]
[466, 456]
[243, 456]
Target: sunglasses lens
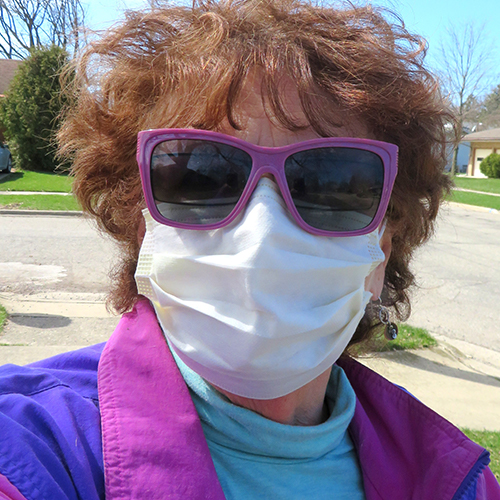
[197, 181]
[335, 188]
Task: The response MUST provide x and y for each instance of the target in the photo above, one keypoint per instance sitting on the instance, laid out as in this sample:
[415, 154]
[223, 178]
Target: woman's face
[257, 128]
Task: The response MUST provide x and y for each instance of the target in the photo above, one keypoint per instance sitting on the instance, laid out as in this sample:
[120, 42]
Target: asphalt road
[458, 271]
[53, 253]
[53, 280]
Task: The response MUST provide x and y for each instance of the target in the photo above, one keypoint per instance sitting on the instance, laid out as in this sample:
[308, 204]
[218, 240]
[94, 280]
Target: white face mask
[261, 307]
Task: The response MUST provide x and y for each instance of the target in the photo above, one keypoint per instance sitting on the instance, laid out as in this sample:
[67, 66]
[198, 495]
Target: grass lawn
[409, 337]
[3, 317]
[480, 200]
[36, 181]
[486, 185]
[38, 202]
[491, 441]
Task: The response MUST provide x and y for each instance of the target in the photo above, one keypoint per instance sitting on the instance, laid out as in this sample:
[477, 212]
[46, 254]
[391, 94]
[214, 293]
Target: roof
[7, 69]
[491, 135]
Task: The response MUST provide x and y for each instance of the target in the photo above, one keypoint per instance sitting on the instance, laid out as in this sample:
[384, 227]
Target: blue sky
[428, 18]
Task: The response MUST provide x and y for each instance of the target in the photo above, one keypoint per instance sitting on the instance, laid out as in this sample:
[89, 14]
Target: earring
[391, 329]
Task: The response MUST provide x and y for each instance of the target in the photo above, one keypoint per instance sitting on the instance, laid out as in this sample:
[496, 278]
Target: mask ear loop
[382, 228]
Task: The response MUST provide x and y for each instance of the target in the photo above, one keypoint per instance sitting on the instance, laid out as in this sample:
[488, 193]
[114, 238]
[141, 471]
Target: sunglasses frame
[265, 160]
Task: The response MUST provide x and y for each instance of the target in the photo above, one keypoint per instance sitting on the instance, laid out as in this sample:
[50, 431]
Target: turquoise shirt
[258, 458]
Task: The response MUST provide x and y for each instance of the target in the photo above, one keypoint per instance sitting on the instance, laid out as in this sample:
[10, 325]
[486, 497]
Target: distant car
[5, 158]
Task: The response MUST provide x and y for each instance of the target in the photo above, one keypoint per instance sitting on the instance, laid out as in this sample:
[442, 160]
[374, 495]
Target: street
[458, 273]
[53, 281]
[52, 253]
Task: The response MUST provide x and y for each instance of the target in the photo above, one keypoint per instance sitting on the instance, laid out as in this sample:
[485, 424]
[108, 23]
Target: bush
[490, 166]
[30, 110]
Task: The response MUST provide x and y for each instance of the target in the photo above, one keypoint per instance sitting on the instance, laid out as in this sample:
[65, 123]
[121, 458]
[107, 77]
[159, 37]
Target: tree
[464, 61]
[30, 110]
[489, 114]
[29, 24]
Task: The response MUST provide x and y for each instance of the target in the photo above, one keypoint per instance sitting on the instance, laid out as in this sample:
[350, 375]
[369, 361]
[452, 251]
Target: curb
[71, 305]
[55, 213]
[471, 207]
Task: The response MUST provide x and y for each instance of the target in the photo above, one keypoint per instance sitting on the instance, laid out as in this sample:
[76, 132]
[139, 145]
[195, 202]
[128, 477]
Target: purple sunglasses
[198, 179]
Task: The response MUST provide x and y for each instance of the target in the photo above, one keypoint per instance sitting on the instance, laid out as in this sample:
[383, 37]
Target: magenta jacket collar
[150, 426]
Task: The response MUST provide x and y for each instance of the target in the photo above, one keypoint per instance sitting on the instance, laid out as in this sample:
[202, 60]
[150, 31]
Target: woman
[269, 228]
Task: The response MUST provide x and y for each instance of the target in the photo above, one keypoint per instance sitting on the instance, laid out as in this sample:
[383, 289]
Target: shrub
[490, 166]
[30, 110]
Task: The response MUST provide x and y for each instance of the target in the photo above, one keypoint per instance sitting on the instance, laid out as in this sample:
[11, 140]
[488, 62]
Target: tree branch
[25, 24]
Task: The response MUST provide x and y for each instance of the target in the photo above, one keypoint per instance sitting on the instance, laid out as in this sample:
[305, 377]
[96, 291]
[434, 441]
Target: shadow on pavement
[40, 321]
[414, 361]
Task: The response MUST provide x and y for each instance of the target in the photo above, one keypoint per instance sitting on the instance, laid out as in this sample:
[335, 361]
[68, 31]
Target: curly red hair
[181, 67]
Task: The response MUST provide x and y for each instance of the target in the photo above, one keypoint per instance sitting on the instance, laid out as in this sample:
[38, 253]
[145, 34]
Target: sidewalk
[474, 191]
[46, 324]
[458, 380]
[34, 192]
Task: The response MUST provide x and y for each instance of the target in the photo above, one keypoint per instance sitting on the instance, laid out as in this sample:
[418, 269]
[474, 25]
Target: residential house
[463, 148]
[7, 69]
[462, 158]
[482, 144]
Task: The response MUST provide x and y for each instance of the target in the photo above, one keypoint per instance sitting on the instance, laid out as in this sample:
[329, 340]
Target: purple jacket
[116, 421]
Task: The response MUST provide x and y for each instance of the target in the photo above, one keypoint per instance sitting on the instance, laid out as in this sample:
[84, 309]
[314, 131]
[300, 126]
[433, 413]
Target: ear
[374, 282]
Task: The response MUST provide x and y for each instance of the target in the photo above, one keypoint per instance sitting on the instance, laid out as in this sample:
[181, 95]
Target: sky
[428, 18]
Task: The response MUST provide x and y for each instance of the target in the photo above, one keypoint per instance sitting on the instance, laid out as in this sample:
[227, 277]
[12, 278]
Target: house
[482, 144]
[7, 69]
[462, 157]
[463, 148]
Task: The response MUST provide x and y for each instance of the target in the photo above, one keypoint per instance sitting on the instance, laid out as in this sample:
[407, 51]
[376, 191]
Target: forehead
[259, 123]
